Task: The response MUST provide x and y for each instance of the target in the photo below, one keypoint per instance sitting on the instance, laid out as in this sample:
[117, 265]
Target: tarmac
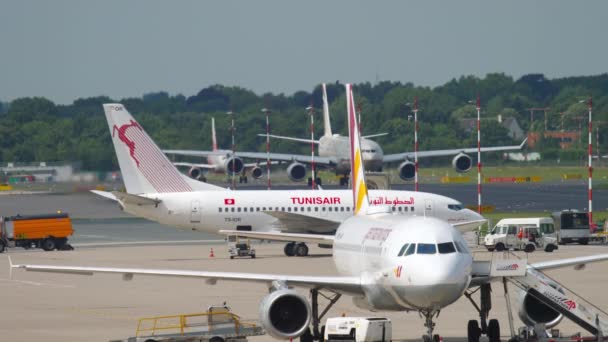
[56, 307]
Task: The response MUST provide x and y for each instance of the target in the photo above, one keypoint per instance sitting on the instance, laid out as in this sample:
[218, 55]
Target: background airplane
[385, 262]
[334, 154]
[220, 161]
[157, 191]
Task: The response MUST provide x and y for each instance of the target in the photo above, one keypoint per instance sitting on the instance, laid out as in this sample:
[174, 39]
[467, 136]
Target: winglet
[360, 198]
[10, 268]
[326, 121]
[213, 138]
[523, 143]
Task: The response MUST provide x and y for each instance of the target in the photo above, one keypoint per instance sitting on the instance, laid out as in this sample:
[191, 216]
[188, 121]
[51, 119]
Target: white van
[520, 233]
[358, 329]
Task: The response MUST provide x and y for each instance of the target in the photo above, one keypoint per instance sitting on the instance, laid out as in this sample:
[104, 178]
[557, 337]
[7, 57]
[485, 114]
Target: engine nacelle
[462, 163]
[533, 311]
[296, 171]
[285, 314]
[257, 172]
[233, 166]
[196, 173]
[407, 170]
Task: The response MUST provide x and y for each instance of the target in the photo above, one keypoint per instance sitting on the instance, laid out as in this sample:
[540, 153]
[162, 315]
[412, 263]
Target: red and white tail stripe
[144, 166]
[360, 198]
[213, 138]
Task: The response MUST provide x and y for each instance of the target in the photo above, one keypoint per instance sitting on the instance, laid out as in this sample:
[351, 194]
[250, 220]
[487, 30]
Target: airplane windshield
[455, 207]
[426, 248]
[446, 248]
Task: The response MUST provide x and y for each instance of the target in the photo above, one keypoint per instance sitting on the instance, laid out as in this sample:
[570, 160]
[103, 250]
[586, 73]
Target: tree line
[36, 129]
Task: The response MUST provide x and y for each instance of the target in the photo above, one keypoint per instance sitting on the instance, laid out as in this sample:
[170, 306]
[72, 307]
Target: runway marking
[35, 283]
[131, 243]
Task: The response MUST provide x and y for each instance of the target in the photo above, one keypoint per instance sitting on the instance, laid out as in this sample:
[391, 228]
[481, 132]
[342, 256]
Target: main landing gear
[296, 249]
[430, 326]
[490, 328]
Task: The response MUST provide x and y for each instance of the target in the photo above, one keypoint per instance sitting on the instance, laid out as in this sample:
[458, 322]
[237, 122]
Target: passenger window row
[288, 209]
[431, 248]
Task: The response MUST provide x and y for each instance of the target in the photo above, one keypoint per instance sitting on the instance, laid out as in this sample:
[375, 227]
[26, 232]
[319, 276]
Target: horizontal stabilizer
[135, 199]
[468, 226]
[374, 135]
[105, 194]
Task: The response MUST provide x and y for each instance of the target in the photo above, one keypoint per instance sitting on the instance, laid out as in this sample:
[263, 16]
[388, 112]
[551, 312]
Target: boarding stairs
[563, 300]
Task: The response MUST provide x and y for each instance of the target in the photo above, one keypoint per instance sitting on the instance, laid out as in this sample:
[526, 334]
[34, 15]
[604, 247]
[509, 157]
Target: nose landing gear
[296, 249]
[430, 326]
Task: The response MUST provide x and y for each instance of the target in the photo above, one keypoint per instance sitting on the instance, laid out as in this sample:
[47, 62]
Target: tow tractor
[218, 324]
[240, 249]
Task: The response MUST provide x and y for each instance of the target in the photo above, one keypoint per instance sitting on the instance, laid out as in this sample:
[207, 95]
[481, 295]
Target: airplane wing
[290, 138]
[278, 236]
[451, 152]
[346, 285]
[483, 273]
[202, 166]
[374, 135]
[286, 157]
[292, 222]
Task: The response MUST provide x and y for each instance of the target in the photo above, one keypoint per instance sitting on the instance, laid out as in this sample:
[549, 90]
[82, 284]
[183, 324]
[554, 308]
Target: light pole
[231, 114]
[478, 155]
[311, 112]
[590, 165]
[267, 112]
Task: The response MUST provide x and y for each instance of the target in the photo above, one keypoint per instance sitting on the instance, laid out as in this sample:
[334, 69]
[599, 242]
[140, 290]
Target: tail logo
[122, 135]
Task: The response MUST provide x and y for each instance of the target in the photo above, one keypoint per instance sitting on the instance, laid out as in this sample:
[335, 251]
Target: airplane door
[195, 212]
[428, 207]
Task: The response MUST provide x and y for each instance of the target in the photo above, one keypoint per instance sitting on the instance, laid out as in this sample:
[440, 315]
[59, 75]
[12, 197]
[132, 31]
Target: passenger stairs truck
[49, 232]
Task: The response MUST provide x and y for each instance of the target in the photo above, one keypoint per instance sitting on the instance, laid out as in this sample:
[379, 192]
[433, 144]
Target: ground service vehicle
[238, 248]
[49, 231]
[572, 225]
[358, 329]
[218, 324]
[526, 234]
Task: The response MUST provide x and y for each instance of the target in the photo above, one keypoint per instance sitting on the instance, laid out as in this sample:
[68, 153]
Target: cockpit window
[455, 207]
[426, 248]
[403, 249]
[411, 249]
[461, 247]
[446, 248]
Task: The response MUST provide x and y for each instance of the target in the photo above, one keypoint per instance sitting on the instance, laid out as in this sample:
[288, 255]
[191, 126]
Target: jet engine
[285, 314]
[533, 311]
[257, 172]
[233, 166]
[196, 173]
[407, 170]
[462, 163]
[296, 171]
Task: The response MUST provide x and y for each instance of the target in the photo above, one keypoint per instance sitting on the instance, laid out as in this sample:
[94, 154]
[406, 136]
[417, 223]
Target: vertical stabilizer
[360, 198]
[145, 168]
[326, 122]
[213, 138]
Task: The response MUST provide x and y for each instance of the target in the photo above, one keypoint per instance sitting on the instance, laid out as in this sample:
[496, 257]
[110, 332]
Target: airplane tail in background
[213, 138]
[326, 122]
[144, 167]
[360, 198]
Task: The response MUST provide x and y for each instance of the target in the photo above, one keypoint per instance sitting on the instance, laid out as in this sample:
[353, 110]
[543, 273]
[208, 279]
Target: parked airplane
[333, 153]
[386, 262]
[156, 190]
[220, 161]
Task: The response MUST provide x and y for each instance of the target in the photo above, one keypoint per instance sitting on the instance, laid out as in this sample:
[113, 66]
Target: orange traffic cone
[211, 255]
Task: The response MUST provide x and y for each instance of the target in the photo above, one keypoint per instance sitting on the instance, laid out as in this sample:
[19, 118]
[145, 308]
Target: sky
[64, 50]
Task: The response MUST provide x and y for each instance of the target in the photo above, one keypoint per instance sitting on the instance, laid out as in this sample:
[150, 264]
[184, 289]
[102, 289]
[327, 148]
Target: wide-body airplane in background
[334, 154]
[385, 262]
[157, 191]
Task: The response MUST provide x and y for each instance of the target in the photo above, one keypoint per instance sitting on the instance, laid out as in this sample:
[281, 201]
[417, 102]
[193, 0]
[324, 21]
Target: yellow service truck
[49, 232]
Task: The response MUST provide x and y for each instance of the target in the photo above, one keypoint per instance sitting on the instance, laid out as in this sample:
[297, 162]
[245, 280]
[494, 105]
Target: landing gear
[242, 179]
[317, 181]
[289, 249]
[491, 328]
[430, 326]
[316, 317]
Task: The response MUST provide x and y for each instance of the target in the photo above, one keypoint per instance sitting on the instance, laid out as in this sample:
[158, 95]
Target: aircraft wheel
[426, 338]
[494, 330]
[2, 246]
[319, 181]
[307, 336]
[473, 331]
[301, 250]
[289, 249]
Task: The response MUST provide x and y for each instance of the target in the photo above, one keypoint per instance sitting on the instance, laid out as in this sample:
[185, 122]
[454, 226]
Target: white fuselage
[219, 160]
[211, 211]
[371, 247]
[339, 147]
